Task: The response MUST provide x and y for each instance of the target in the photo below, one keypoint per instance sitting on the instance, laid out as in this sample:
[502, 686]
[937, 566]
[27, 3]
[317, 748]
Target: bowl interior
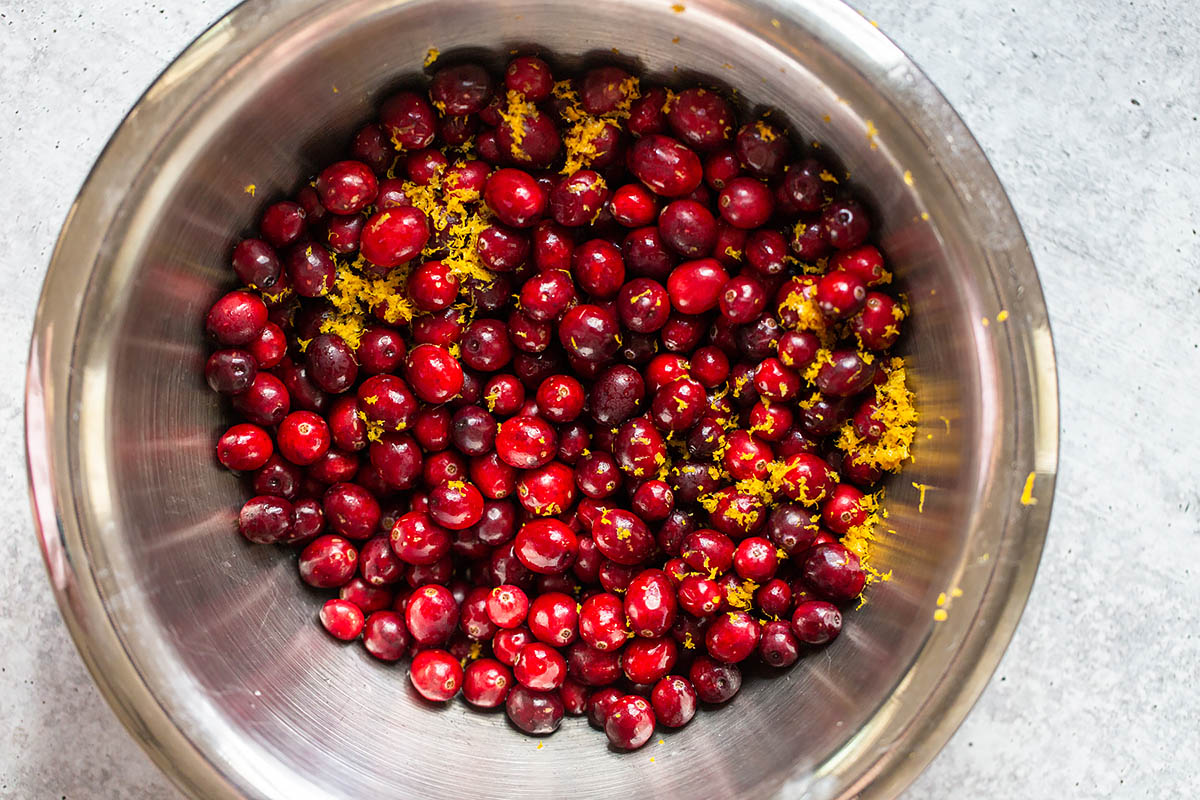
[222, 634]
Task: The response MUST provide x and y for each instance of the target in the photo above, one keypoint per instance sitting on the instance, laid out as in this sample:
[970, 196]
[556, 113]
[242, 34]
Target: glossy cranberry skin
[699, 596]
[379, 564]
[802, 188]
[696, 286]
[371, 146]
[643, 305]
[508, 642]
[766, 252]
[721, 167]
[530, 76]
[633, 205]
[843, 509]
[553, 618]
[602, 622]
[455, 505]
[540, 667]
[665, 165]
[577, 199]
[431, 614]
[742, 299]
[678, 405]
[365, 596]
[265, 519]
[877, 325]
[600, 703]
[494, 478]
[328, 562]
[485, 345]
[845, 224]
[653, 501]
[282, 223]
[351, 510]
[417, 539]
[622, 537]
[845, 374]
[775, 382]
[277, 477]
[732, 637]
[674, 701]
[385, 636]
[593, 667]
[538, 146]
[533, 712]
[303, 437]
[380, 350]
[707, 550]
[835, 572]
[433, 373]
[597, 475]
[432, 286]
[256, 264]
[525, 442]
[589, 332]
[331, 363]
[486, 683]
[616, 395]
[347, 187]
[473, 432]
[545, 296]
[778, 646]
[865, 262]
[816, 622]
[244, 447]
[701, 118]
[646, 254]
[713, 681]
[773, 598]
[436, 675]
[236, 319]
[552, 246]
[746, 203]
[840, 295]
[650, 604]
[394, 236]
[307, 521]
[546, 546]
[646, 661]
[408, 120]
[507, 606]
[808, 240]
[230, 371]
[598, 266]
[270, 347]
[561, 398]
[761, 148]
[688, 228]
[461, 89]
[755, 560]
[516, 198]
[342, 619]
[746, 456]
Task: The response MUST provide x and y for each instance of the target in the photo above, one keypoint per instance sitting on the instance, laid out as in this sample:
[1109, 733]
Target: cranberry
[746, 456]
[433, 373]
[743, 299]
[646, 255]
[599, 268]
[230, 371]
[455, 505]
[622, 537]
[665, 166]
[840, 295]
[486, 683]
[732, 637]
[508, 642]
[351, 510]
[802, 188]
[774, 598]
[540, 667]
[436, 675]
[525, 442]
[461, 90]
[328, 562]
[408, 120]
[714, 682]
[385, 636]
[650, 604]
[473, 431]
[616, 395]
[534, 712]
[236, 319]
[536, 145]
[365, 596]
[877, 325]
[277, 477]
[721, 167]
[560, 398]
[256, 264]
[432, 286]
[696, 286]
[270, 347]
[633, 206]
[494, 478]
[578, 199]
[530, 76]
[553, 618]
[342, 619]
[746, 203]
[431, 615]
[546, 546]
[600, 703]
[265, 519]
[688, 228]
[835, 572]
[597, 475]
[307, 521]
[282, 223]
[816, 622]
[507, 606]
[678, 405]
[515, 196]
[416, 539]
[602, 622]
[378, 562]
[347, 187]
[843, 509]
[653, 501]
[707, 551]
[761, 148]
[808, 240]
[545, 296]
[778, 646]
[845, 224]
[766, 252]
[865, 262]
[846, 373]
[244, 447]
[589, 332]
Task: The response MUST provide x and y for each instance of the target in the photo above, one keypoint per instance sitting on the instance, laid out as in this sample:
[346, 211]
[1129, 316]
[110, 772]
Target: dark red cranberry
[343, 233]
[593, 667]
[342, 619]
[486, 683]
[432, 286]
[393, 236]
[653, 500]
[666, 166]
[688, 228]
[778, 647]
[230, 371]
[646, 255]
[845, 224]
[546, 546]
[755, 559]
[537, 145]
[545, 296]
[701, 118]
[473, 432]
[599, 268]
[808, 239]
[436, 675]
[379, 564]
[365, 596]
[351, 510]
[508, 642]
[328, 562]
[347, 187]
[282, 223]
[455, 505]
[372, 147]
[530, 76]
[846, 373]
[674, 701]
[597, 475]
[277, 477]
[714, 682]
[307, 521]
[256, 264]
[678, 405]
[720, 168]
[397, 457]
[417, 539]
[485, 345]
[236, 319]
[386, 401]
[674, 528]
[646, 115]
[835, 572]
[766, 252]
[311, 269]
[802, 188]
[707, 550]
[746, 203]
[553, 618]
[461, 89]
[266, 519]
[589, 332]
[331, 363]
[408, 120]
[270, 347]
[534, 712]
[761, 148]
[743, 299]
[578, 199]
[504, 394]
[614, 577]
[696, 286]
[816, 622]
[622, 537]
[877, 325]
[502, 249]
[821, 416]
[616, 395]
[431, 614]
[525, 442]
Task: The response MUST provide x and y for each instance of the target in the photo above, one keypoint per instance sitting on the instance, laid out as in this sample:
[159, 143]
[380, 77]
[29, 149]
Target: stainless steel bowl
[206, 648]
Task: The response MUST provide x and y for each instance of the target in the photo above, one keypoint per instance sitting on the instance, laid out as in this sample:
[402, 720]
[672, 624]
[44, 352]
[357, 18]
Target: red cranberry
[597, 475]
[473, 431]
[436, 675]
[282, 223]
[545, 296]
[516, 197]
[244, 447]
[666, 166]
[840, 295]
[370, 146]
[761, 148]
[816, 622]
[755, 560]
[688, 228]
[701, 118]
[674, 701]
[365, 596]
[508, 642]
[416, 539]
[378, 562]
[342, 619]
[307, 521]
[714, 682]
[721, 167]
[385, 636]
[507, 606]
[629, 723]
[560, 398]
[534, 712]
[589, 332]
[877, 325]
[351, 510]
[808, 240]
[486, 683]
[393, 236]
[525, 442]
[633, 206]
[270, 347]
[774, 598]
[696, 286]
[230, 371]
[409, 121]
[650, 604]
[432, 286]
[265, 520]
[599, 268]
[746, 203]
[433, 373]
[865, 262]
[743, 299]
[600, 703]
[778, 647]
[653, 501]
[553, 618]
[256, 264]
[530, 76]
[766, 252]
[347, 187]
[236, 319]
[646, 255]
[546, 546]
[614, 577]
[843, 509]
[746, 456]
[732, 637]
[707, 551]
[616, 395]
[846, 373]
[460, 90]
[328, 562]
[602, 622]
[678, 405]
[494, 478]
[646, 661]
[835, 572]
[770, 422]
[538, 143]
[455, 505]
[578, 199]
[431, 615]
[540, 667]
[622, 537]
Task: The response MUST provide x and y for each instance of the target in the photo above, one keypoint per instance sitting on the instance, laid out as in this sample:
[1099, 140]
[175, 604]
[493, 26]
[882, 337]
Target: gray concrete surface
[1088, 111]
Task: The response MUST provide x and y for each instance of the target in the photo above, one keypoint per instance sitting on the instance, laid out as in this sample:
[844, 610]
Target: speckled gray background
[1088, 111]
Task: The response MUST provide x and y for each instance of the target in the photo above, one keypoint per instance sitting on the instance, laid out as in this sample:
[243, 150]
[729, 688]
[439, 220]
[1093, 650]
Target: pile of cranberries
[602, 480]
